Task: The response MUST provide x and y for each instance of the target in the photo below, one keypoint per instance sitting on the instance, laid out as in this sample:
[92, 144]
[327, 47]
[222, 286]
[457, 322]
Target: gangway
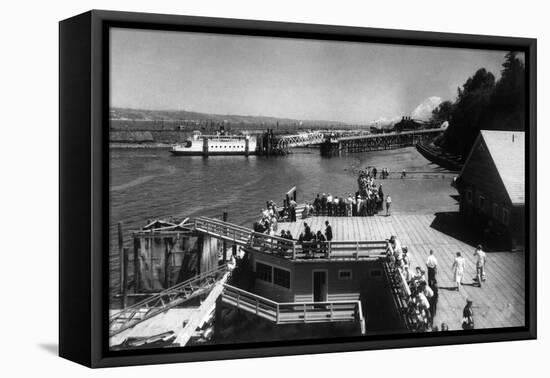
[167, 299]
[226, 231]
[289, 248]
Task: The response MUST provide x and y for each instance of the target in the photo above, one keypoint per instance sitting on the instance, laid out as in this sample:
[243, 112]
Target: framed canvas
[234, 188]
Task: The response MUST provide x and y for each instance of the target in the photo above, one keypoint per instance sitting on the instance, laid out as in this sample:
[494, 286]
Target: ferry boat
[218, 144]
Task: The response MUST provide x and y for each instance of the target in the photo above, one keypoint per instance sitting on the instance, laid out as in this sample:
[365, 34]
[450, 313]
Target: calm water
[148, 184]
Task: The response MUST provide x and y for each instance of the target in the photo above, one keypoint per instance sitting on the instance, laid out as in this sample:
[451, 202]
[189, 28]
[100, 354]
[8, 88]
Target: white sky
[294, 78]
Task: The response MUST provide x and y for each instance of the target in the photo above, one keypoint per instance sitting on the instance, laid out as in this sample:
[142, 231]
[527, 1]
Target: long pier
[377, 142]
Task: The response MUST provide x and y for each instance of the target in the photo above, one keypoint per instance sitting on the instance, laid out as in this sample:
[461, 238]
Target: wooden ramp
[500, 302]
[165, 300]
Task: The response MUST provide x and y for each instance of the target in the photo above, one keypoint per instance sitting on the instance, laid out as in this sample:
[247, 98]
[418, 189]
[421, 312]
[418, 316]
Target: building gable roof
[507, 150]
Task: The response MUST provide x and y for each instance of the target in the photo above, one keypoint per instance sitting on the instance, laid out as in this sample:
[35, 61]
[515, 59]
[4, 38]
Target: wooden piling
[136, 265]
[224, 218]
[120, 255]
[205, 147]
[124, 283]
[166, 264]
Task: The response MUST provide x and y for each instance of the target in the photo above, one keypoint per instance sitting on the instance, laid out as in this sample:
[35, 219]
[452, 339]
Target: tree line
[484, 104]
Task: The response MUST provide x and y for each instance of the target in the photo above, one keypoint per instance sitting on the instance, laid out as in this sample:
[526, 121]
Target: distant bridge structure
[299, 140]
[280, 144]
[377, 142]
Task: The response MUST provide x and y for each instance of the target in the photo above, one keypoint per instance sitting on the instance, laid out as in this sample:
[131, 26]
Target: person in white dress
[458, 270]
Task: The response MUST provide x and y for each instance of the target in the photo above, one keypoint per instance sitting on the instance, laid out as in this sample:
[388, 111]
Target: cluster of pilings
[268, 144]
[163, 255]
[376, 142]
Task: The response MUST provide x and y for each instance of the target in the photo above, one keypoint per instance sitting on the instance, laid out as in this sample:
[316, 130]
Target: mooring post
[136, 264]
[120, 255]
[124, 283]
[224, 218]
[205, 147]
[166, 264]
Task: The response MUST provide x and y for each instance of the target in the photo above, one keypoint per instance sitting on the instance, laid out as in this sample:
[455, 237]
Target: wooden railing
[294, 312]
[401, 293]
[387, 135]
[223, 230]
[289, 248]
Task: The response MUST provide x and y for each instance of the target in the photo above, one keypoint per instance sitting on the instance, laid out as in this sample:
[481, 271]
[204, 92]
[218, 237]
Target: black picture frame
[83, 197]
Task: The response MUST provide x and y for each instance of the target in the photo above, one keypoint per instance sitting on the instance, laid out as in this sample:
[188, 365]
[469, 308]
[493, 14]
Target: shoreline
[138, 146]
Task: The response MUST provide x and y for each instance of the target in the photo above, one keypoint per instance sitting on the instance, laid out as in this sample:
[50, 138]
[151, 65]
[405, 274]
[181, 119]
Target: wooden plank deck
[500, 302]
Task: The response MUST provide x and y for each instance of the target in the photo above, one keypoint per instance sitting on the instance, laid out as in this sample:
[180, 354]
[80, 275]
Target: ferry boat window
[263, 272]
[344, 274]
[281, 277]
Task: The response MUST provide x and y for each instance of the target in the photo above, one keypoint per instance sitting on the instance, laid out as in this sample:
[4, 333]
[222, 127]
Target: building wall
[338, 289]
[269, 289]
[301, 279]
[481, 173]
[483, 196]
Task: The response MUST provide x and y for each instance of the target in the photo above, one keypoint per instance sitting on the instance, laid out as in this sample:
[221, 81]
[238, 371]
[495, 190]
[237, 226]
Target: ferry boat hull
[210, 153]
[219, 144]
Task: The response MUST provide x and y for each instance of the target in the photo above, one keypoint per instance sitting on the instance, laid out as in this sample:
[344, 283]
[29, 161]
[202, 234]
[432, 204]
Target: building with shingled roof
[492, 186]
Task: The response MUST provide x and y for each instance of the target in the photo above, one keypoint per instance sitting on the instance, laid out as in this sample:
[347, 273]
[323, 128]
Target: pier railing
[223, 230]
[294, 312]
[290, 248]
[401, 292]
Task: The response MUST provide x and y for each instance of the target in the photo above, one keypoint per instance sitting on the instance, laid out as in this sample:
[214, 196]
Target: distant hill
[124, 114]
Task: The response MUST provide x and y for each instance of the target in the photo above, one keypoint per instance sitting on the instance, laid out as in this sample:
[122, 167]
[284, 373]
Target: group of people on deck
[423, 283]
[459, 265]
[269, 221]
[370, 195]
[422, 302]
[315, 241]
[367, 201]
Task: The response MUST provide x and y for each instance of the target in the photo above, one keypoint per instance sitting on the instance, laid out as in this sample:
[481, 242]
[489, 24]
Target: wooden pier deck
[500, 302]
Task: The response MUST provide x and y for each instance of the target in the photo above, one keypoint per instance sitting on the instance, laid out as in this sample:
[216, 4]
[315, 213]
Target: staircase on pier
[294, 312]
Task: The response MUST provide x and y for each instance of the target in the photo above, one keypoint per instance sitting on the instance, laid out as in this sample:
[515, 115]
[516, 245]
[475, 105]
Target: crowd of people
[315, 242]
[422, 283]
[310, 241]
[269, 221]
[367, 201]
[422, 301]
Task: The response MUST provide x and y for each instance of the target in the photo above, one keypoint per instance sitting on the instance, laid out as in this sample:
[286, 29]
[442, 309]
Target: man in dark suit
[328, 231]
[307, 232]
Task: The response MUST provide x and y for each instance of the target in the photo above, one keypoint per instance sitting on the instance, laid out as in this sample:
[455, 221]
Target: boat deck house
[492, 186]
